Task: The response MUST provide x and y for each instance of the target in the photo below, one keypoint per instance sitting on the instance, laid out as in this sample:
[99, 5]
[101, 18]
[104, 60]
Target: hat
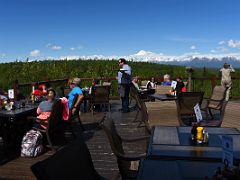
[76, 80]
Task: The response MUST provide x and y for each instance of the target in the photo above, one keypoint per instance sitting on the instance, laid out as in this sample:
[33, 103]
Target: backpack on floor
[32, 144]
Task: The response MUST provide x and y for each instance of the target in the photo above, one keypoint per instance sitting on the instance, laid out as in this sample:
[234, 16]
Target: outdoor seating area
[118, 145]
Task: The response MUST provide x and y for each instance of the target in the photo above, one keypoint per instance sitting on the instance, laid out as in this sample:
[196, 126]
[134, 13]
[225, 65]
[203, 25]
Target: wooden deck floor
[160, 113]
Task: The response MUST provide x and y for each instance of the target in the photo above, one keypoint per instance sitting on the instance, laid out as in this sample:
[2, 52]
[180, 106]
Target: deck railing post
[189, 70]
[213, 81]
[15, 88]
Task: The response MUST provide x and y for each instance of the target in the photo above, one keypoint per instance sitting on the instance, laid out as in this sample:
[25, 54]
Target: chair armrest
[131, 157]
[135, 139]
[216, 100]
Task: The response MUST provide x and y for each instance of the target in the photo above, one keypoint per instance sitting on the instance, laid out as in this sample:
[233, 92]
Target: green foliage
[35, 71]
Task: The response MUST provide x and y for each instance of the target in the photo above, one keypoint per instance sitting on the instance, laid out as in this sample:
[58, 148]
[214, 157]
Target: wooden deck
[160, 113]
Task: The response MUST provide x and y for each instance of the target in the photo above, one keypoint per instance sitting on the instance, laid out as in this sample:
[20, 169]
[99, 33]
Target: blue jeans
[125, 96]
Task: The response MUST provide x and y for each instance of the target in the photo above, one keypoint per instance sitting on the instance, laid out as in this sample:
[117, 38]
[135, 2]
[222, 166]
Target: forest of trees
[35, 71]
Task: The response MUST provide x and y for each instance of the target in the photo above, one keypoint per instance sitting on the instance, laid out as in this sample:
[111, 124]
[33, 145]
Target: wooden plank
[162, 113]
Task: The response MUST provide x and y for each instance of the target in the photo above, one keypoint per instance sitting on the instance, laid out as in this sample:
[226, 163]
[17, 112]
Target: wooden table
[175, 143]
[163, 97]
[16, 113]
[177, 170]
[13, 125]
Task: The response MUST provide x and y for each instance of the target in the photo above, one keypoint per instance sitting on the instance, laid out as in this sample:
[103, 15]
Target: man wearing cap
[124, 82]
[76, 90]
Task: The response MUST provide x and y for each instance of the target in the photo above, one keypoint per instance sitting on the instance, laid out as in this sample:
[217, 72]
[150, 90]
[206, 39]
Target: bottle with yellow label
[199, 134]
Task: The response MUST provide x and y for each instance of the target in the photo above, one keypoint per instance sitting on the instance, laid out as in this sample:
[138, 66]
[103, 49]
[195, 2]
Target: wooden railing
[205, 84]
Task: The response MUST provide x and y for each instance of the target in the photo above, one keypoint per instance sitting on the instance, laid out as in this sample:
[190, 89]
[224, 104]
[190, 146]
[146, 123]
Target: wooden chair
[116, 142]
[141, 109]
[55, 126]
[145, 84]
[100, 96]
[215, 102]
[70, 162]
[185, 107]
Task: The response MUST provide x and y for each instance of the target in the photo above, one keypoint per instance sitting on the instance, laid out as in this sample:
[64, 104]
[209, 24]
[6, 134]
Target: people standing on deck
[226, 79]
[124, 83]
[76, 90]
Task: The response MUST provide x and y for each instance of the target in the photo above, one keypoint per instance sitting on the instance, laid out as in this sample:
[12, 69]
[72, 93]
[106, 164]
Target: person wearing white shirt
[226, 80]
[124, 83]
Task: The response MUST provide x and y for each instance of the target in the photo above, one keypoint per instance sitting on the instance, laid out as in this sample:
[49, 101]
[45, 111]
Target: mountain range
[195, 60]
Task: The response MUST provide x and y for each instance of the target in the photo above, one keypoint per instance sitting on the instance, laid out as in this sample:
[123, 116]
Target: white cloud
[213, 51]
[56, 47]
[193, 47]
[72, 48]
[53, 47]
[234, 43]
[221, 43]
[222, 49]
[35, 53]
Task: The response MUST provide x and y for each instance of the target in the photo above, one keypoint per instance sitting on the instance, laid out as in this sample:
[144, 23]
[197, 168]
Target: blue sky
[42, 29]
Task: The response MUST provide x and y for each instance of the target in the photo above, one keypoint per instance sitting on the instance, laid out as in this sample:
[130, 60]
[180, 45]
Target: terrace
[97, 142]
[103, 158]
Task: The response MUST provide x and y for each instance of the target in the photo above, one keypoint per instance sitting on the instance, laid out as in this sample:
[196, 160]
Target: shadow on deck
[161, 113]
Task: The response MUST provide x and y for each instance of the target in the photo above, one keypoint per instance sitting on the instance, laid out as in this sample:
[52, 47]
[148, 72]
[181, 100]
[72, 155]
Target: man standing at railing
[124, 83]
[226, 80]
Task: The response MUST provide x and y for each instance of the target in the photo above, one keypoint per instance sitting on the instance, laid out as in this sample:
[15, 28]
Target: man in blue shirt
[124, 82]
[76, 90]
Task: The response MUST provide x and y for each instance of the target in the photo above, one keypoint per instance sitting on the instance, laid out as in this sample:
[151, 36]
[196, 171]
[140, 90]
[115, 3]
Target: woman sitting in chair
[44, 109]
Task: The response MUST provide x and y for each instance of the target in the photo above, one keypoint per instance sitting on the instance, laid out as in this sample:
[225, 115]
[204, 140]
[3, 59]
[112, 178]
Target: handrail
[205, 84]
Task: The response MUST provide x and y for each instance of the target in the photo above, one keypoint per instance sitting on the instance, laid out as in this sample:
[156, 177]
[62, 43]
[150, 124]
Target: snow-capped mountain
[190, 59]
[187, 59]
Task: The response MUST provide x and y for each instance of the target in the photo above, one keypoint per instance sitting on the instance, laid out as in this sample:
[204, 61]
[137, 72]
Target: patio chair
[70, 162]
[116, 142]
[100, 96]
[145, 84]
[55, 127]
[215, 102]
[185, 107]
[141, 108]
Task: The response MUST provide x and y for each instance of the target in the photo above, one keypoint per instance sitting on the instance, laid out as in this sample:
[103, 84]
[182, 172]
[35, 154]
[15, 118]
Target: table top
[163, 97]
[30, 108]
[175, 143]
[181, 169]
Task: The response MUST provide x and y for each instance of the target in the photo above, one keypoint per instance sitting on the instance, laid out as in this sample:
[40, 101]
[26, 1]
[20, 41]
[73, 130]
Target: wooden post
[15, 88]
[213, 81]
[189, 81]
[189, 70]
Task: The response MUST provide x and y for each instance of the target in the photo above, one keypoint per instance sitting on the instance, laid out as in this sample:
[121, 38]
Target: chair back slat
[185, 106]
[218, 95]
[142, 108]
[100, 94]
[56, 125]
[56, 117]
